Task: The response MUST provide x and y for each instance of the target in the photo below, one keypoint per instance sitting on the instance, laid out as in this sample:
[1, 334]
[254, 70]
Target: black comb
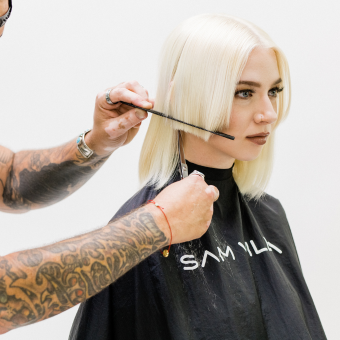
[179, 121]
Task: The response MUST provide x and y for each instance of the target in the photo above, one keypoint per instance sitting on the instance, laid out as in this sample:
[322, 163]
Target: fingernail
[146, 104]
[141, 114]
[217, 194]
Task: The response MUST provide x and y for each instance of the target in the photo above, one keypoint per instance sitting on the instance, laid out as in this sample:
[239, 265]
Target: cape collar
[211, 174]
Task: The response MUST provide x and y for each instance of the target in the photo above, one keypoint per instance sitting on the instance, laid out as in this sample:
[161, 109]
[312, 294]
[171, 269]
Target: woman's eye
[273, 92]
[244, 94]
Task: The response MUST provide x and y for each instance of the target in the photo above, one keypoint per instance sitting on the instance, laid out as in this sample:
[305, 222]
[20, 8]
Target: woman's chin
[247, 157]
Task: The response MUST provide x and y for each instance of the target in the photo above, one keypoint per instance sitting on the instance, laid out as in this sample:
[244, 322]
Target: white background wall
[56, 55]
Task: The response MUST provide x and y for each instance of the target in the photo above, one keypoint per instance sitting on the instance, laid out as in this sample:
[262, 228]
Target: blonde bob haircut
[201, 62]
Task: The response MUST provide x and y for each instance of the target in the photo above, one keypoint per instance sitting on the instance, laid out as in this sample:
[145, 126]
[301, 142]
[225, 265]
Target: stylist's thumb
[212, 192]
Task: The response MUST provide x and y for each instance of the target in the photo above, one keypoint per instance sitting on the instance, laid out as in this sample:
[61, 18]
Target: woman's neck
[200, 152]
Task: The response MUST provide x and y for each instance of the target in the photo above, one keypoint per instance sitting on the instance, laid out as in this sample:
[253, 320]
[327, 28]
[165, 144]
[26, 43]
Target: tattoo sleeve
[40, 283]
[35, 179]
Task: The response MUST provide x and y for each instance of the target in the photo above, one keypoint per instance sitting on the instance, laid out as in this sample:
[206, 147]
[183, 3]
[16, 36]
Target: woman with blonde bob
[242, 279]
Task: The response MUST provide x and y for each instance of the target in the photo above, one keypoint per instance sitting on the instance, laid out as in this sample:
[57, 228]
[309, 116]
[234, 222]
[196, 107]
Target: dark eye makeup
[277, 90]
[247, 93]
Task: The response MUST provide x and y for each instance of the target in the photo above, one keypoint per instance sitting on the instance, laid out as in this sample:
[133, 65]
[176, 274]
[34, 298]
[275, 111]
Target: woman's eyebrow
[255, 84]
[278, 81]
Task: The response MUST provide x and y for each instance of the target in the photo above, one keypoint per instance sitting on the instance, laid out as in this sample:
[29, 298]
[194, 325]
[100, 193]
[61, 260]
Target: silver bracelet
[82, 146]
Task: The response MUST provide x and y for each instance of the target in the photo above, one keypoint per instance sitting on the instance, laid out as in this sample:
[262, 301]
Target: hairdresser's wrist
[160, 221]
[98, 145]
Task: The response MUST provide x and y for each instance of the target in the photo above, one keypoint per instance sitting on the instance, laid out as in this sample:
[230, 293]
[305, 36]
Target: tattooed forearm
[40, 283]
[34, 179]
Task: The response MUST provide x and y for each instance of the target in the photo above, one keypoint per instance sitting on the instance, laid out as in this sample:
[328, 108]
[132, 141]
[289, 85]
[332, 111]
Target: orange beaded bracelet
[165, 252]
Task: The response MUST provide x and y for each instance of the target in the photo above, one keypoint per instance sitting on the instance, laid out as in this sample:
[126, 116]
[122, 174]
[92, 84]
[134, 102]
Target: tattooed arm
[40, 283]
[35, 179]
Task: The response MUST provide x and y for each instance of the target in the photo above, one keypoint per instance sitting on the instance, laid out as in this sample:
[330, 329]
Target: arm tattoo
[40, 178]
[40, 283]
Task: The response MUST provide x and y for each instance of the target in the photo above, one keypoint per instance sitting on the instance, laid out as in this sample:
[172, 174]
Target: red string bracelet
[165, 252]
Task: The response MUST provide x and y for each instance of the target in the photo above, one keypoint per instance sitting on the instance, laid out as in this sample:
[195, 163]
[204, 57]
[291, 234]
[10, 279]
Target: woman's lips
[259, 139]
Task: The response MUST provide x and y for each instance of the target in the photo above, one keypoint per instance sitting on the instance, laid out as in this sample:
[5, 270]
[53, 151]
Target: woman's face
[252, 118]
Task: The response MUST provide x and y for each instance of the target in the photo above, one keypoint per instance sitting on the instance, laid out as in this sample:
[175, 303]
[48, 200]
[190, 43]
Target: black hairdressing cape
[241, 280]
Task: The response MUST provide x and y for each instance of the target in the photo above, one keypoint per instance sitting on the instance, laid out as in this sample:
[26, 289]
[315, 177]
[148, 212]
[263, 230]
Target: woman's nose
[266, 114]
